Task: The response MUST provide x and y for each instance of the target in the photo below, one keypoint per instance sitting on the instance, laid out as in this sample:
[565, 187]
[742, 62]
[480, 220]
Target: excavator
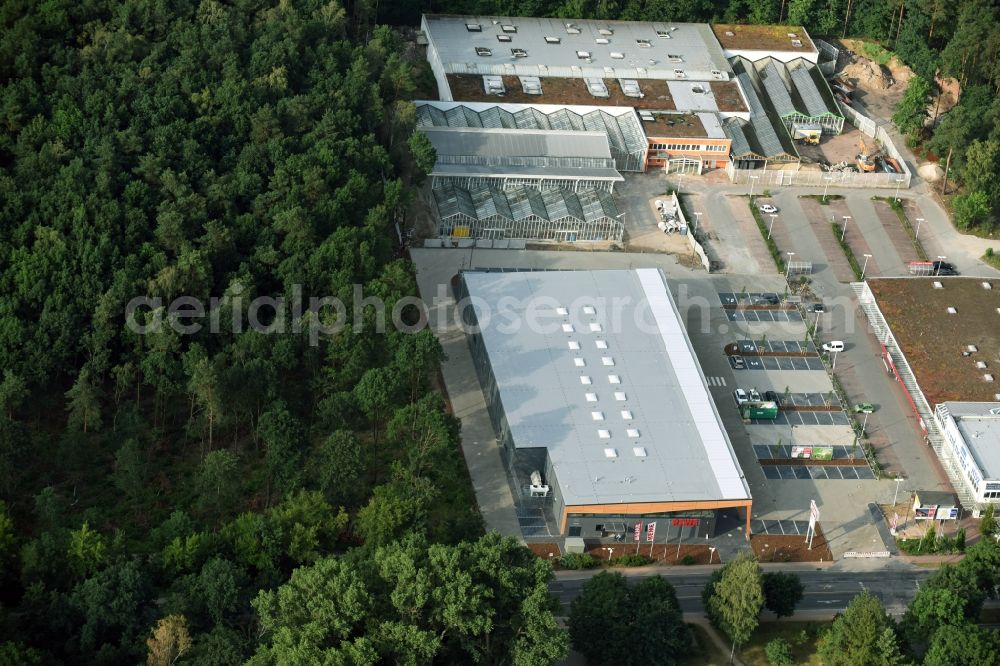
[865, 161]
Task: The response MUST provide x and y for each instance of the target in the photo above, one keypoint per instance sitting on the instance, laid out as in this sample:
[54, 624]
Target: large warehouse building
[940, 339]
[598, 401]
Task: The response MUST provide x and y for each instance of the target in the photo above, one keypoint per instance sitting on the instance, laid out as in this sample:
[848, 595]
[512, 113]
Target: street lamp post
[826, 188]
[697, 219]
[844, 235]
[770, 226]
[834, 365]
[711, 553]
[899, 181]
[610, 551]
[788, 265]
[865, 267]
[919, 221]
[941, 258]
[752, 179]
[816, 325]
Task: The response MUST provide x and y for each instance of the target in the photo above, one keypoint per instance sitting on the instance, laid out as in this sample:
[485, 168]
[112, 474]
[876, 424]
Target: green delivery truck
[759, 410]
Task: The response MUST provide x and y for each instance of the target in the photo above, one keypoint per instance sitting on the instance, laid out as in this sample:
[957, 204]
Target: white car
[768, 209]
[833, 346]
[754, 395]
[740, 396]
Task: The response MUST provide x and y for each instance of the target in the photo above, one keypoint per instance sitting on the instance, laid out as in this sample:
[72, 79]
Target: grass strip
[992, 258]
[821, 200]
[838, 232]
[772, 247]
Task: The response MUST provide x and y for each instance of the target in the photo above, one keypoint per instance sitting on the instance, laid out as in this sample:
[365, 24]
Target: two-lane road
[826, 591]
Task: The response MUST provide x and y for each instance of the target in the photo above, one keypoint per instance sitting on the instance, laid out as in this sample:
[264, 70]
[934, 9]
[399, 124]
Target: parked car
[768, 209]
[943, 265]
[817, 307]
[833, 346]
[755, 395]
[739, 363]
[864, 408]
[766, 299]
[741, 397]
[772, 396]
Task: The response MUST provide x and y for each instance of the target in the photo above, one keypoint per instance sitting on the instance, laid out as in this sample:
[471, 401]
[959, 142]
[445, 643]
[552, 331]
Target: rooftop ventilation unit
[938, 285]
[988, 377]
[597, 88]
[552, 40]
[579, 362]
[473, 27]
[673, 57]
[614, 379]
[537, 488]
[607, 360]
[647, 116]
[493, 85]
[952, 310]
[531, 85]
[567, 328]
[626, 415]
[602, 40]
[572, 29]
[796, 43]
[573, 344]
[679, 73]
[663, 34]
[604, 434]
[589, 309]
[730, 33]
[972, 348]
[509, 28]
[591, 397]
[597, 328]
[610, 453]
[583, 55]
[632, 432]
[585, 380]
[484, 52]
[639, 451]
[792, 35]
[620, 396]
[644, 43]
[716, 74]
[519, 53]
[630, 87]
[601, 344]
[503, 38]
[607, 32]
[981, 365]
[987, 285]
[597, 416]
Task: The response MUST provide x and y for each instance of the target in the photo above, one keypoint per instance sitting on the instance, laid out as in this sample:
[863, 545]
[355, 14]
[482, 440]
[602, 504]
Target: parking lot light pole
[816, 325]
[788, 265]
[752, 180]
[941, 258]
[844, 235]
[917, 234]
[826, 188]
[834, 365]
[770, 226]
[899, 181]
[865, 267]
[896, 494]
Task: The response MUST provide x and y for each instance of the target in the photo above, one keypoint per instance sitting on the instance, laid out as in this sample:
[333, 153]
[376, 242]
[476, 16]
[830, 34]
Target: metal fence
[696, 247]
[795, 176]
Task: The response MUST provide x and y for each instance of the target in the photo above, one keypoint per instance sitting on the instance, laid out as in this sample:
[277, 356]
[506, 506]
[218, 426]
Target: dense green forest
[159, 489]
[956, 40]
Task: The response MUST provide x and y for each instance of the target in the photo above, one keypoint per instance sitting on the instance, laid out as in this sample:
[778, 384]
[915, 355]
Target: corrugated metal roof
[771, 144]
[534, 143]
[776, 90]
[622, 126]
[688, 455]
[735, 130]
[811, 97]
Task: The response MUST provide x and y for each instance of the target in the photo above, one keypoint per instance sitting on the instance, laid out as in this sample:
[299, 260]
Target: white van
[833, 346]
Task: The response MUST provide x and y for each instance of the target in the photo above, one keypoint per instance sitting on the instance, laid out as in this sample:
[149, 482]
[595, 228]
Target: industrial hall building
[542, 103]
[602, 413]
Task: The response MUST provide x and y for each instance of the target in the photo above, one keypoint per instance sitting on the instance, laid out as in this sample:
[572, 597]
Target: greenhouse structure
[527, 213]
[621, 125]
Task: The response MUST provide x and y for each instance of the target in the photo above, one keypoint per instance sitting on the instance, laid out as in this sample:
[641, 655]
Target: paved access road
[827, 591]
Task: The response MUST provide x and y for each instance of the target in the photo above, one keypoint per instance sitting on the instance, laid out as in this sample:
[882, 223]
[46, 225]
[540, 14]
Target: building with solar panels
[602, 413]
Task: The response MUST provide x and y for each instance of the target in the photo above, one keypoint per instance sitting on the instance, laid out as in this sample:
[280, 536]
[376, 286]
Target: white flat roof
[980, 429]
[639, 361]
[630, 48]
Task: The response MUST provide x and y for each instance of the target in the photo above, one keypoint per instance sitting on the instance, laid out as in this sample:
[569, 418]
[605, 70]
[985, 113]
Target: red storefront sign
[685, 522]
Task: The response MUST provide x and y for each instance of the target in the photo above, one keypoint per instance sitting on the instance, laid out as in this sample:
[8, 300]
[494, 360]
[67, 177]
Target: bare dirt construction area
[879, 87]
[833, 149]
